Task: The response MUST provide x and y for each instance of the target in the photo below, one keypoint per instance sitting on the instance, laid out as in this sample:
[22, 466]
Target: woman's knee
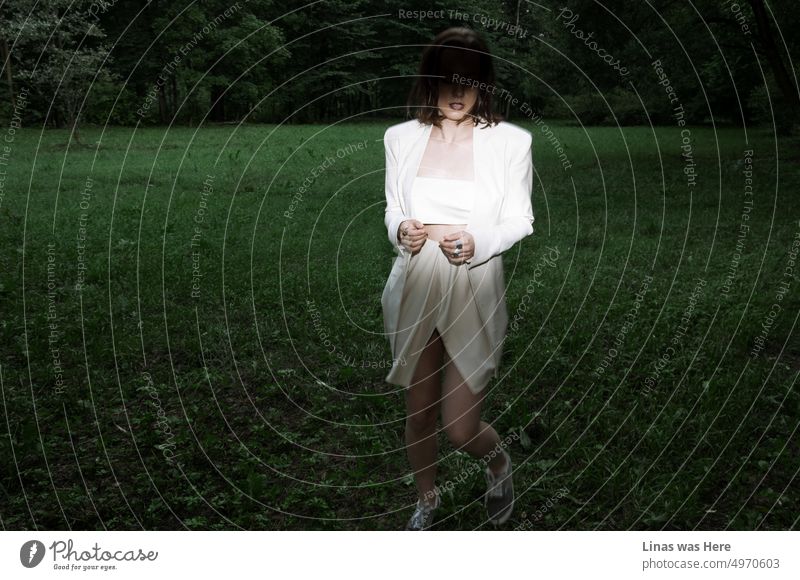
[461, 434]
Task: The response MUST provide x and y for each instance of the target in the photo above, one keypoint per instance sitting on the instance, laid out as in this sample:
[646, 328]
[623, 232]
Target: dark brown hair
[424, 95]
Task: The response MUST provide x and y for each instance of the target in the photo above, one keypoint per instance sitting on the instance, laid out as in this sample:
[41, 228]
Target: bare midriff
[437, 231]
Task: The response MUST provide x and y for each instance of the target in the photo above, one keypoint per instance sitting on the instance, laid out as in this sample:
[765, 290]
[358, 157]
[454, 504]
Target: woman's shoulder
[509, 132]
[400, 129]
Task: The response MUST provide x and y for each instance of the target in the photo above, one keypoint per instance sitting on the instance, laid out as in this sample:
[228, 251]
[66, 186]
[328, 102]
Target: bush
[593, 109]
[626, 106]
[766, 101]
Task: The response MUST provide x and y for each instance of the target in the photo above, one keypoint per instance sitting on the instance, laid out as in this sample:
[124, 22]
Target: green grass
[270, 427]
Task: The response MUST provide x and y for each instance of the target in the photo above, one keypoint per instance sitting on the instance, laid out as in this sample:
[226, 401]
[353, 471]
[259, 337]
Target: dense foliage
[191, 62]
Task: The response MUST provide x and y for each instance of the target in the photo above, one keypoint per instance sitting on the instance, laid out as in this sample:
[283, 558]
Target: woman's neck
[452, 132]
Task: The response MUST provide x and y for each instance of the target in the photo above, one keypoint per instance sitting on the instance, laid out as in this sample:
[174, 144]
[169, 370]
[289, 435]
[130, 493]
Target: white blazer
[502, 214]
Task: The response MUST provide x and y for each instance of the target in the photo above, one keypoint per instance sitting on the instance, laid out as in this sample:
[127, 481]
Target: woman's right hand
[412, 235]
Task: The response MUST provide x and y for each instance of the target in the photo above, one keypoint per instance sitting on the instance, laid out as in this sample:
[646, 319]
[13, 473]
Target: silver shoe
[499, 494]
[422, 518]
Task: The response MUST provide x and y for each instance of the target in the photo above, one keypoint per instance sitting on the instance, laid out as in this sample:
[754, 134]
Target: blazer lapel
[479, 155]
[412, 162]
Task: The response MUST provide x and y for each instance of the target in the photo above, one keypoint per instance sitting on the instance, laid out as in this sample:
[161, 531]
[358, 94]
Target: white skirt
[438, 294]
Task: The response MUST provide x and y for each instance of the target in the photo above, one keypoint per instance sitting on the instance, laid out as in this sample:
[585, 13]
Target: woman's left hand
[448, 246]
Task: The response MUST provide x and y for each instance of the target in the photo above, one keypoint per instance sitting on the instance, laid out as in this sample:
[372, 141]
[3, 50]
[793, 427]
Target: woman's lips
[456, 106]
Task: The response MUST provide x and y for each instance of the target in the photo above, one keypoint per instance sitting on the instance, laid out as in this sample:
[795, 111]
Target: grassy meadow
[188, 340]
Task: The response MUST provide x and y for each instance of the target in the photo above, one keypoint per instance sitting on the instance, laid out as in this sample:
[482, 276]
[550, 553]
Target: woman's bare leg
[461, 420]
[422, 409]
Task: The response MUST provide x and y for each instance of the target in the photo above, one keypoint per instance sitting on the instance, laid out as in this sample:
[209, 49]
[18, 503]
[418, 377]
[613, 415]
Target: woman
[457, 196]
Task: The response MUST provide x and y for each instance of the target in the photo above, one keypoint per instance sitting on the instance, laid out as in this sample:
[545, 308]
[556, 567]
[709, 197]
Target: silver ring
[459, 245]
[457, 253]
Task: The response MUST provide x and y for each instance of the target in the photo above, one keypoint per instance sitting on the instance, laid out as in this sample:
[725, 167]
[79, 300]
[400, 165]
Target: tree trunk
[767, 42]
[6, 55]
[73, 118]
[162, 106]
[173, 86]
[217, 104]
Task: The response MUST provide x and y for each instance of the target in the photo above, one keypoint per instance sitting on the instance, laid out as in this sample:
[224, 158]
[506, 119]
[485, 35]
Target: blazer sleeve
[516, 214]
[393, 215]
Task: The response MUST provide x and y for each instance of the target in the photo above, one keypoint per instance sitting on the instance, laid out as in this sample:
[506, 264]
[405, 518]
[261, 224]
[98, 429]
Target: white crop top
[437, 200]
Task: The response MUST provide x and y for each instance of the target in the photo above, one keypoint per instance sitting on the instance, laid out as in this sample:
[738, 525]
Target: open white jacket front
[502, 214]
